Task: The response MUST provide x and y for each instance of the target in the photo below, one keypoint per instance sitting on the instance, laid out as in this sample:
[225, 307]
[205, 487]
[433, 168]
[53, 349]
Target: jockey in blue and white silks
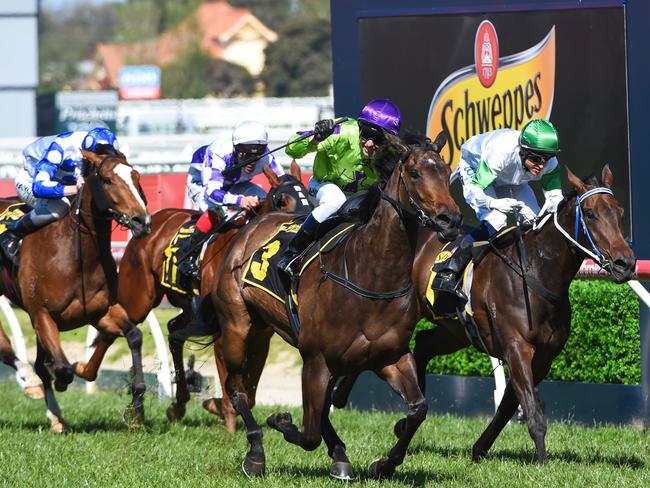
[222, 185]
[51, 173]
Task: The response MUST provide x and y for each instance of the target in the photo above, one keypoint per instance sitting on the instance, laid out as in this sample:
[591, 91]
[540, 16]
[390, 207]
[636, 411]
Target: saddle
[11, 214]
[170, 277]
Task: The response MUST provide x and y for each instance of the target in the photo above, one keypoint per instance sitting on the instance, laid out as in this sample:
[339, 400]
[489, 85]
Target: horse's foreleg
[430, 343]
[116, 322]
[47, 332]
[57, 424]
[33, 387]
[504, 413]
[341, 467]
[315, 381]
[176, 410]
[402, 377]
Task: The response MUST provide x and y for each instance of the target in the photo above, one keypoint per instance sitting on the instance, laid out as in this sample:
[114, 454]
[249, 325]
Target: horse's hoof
[478, 454]
[133, 419]
[34, 392]
[380, 469]
[252, 467]
[400, 427]
[59, 427]
[175, 412]
[60, 385]
[278, 420]
[342, 471]
[213, 405]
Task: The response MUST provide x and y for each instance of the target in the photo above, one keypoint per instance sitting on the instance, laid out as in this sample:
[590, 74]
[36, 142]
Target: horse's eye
[414, 173]
[590, 213]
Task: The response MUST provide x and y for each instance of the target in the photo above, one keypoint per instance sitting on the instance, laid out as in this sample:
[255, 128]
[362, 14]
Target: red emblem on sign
[486, 53]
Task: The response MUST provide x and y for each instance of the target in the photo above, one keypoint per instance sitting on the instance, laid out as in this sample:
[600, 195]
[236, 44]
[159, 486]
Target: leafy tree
[274, 13]
[142, 20]
[194, 74]
[67, 37]
[300, 62]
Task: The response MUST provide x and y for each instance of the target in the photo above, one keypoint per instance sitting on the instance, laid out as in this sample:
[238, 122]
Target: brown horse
[499, 306]
[67, 277]
[33, 387]
[140, 290]
[346, 326]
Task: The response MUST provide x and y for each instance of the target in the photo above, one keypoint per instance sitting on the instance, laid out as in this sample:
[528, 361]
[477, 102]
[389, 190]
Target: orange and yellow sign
[522, 89]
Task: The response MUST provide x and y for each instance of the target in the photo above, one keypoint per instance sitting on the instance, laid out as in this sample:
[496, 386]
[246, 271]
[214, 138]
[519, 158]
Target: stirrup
[287, 263]
[190, 269]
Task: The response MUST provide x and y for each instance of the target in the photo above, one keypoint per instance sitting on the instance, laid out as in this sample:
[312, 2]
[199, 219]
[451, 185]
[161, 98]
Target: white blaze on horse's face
[124, 172]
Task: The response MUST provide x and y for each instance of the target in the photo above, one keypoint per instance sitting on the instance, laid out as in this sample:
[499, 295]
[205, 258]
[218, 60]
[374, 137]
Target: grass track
[102, 451]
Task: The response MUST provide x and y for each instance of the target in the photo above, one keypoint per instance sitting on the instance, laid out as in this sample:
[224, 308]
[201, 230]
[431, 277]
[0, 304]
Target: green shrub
[603, 346]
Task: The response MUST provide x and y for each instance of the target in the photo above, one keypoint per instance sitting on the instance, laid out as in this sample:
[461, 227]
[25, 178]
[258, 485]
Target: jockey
[495, 168]
[342, 165]
[51, 173]
[219, 187]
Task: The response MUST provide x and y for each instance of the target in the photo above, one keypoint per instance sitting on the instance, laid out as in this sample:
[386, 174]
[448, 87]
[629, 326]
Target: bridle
[594, 253]
[414, 210]
[296, 190]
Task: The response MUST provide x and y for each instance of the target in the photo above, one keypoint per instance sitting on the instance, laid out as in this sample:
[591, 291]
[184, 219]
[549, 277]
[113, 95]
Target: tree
[143, 20]
[300, 62]
[194, 74]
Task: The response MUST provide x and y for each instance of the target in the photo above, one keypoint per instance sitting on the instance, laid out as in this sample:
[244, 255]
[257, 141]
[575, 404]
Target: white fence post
[164, 373]
[17, 339]
[499, 381]
[91, 386]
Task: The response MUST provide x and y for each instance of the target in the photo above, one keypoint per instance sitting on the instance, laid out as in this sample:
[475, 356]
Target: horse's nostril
[625, 263]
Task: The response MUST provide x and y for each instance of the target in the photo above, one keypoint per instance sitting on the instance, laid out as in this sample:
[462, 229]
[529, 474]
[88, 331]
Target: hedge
[603, 346]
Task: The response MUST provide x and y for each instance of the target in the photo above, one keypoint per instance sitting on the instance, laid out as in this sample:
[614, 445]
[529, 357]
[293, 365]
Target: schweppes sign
[493, 93]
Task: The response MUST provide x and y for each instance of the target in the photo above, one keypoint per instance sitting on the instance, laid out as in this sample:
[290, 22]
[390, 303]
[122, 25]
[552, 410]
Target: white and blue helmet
[99, 135]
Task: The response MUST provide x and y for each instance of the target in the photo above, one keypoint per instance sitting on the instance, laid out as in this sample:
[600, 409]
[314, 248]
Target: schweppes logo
[494, 93]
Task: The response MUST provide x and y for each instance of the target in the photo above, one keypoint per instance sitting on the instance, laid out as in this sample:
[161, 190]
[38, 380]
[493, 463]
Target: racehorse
[140, 289]
[587, 224]
[67, 278]
[361, 322]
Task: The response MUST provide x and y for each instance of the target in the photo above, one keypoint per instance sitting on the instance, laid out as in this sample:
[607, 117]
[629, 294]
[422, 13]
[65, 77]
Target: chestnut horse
[67, 278]
[140, 290]
[555, 252]
[346, 326]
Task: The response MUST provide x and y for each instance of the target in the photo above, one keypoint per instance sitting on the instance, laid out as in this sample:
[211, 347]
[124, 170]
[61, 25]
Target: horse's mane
[107, 150]
[591, 180]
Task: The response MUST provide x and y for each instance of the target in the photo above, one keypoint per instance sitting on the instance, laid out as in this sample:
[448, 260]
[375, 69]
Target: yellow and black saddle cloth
[11, 214]
[261, 270]
[170, 277]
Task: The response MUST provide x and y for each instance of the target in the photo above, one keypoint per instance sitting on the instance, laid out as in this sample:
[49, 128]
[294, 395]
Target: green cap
[540, 136]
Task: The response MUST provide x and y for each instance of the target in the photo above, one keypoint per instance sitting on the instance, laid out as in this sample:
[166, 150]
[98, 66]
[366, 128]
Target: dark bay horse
[67, 278]
[497, 299]
[140, 290]
[342, 332]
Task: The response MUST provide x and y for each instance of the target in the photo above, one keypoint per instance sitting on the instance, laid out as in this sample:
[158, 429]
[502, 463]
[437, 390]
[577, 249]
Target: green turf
[102, 451]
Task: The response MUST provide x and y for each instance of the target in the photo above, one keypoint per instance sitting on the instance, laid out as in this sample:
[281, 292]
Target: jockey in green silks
[495, 168]
[342, 165]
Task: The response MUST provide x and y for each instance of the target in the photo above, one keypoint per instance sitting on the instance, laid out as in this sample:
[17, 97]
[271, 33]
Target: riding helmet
[99, 135]
[540, 136]
[382, 113]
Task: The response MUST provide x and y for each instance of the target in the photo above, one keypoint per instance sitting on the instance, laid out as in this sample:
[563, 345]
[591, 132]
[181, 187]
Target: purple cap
[382, 113]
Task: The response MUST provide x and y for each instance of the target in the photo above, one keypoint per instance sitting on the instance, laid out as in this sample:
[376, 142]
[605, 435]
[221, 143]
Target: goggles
[538, 158]
[250, 149]
[370, 132]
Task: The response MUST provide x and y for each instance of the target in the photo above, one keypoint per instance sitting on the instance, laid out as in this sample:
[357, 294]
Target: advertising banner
[139, 82]
[464, 74]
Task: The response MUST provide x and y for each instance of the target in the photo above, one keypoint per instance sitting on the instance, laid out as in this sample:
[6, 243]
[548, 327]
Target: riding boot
[10, 239]
[298, 244]
[447, 279]
[188, 261]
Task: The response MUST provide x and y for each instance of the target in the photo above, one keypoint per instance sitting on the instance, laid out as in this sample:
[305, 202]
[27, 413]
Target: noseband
[594, 253]
[413, 210]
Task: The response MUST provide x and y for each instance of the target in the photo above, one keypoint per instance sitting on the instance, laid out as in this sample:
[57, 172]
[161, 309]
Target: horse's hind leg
[57, 424]
[341, 467]
[401, 376]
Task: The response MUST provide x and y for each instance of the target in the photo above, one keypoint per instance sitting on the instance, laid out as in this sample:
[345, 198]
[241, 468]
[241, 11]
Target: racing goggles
[250, 149]
[538, 158]
[370, 132]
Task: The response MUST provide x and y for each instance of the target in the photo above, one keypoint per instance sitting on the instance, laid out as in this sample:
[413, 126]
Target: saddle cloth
[11, 214]
[170, 277]
[261, 270]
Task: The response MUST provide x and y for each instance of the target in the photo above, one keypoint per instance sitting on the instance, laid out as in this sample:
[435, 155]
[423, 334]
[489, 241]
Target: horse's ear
[272, 177]
[295, 170]
[576, 182]
[607, 176]
[91, 157]
[439, 143]
[396, 143]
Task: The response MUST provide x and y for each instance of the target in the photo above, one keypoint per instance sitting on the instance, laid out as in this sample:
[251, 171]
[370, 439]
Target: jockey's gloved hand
[553, 199]
[323, 129]
[504, 205]
[527, 215]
